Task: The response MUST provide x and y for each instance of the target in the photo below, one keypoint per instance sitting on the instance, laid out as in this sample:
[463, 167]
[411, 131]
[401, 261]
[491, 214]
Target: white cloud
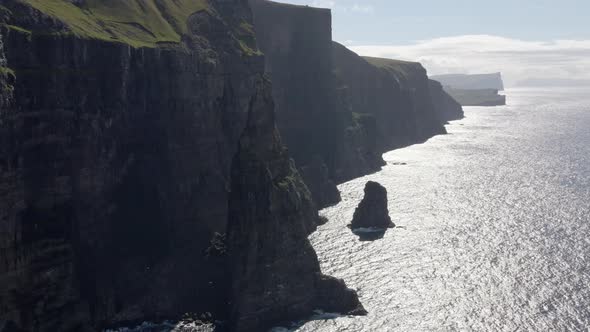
[516, 59]
[324, 4]
[357, 8]
[361, 8]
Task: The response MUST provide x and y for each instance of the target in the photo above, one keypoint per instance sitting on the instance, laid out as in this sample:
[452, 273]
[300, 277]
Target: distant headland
[474, 90]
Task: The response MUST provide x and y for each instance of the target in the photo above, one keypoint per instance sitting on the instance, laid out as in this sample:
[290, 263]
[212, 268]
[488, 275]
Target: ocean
[494, 225]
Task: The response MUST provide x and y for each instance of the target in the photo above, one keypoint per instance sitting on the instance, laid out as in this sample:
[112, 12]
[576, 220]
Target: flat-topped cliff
[477, 97]
[471, 81]
[133, 135]
[475, 89]
[415, 87]
[376, 93]
[395, 92]
[337, 111]
[296, 41]
[406, 109]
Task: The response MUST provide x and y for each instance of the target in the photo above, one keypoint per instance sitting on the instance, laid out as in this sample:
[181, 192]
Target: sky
[524, 39]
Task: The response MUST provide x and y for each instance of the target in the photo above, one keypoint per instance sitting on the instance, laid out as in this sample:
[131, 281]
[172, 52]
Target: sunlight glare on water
[495, 229]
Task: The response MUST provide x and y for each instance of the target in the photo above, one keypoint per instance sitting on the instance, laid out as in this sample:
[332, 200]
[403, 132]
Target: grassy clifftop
[406, 69]
[139, 23]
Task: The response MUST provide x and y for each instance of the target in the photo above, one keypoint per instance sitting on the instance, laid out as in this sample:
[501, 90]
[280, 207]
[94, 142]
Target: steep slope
[446, 106]
[275, 268]
[296, 42]
[134, 22]
[6, 74]
[415, 88]
[337, 111]
[328, 140]
[124, 126]
[377, 93]
[396, 93]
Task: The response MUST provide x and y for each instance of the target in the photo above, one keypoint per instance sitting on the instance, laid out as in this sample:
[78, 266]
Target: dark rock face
[116, 165]
[377, 93]
[357, 152]
[372, 212]
[329, 144]
[296, 43]
[320, 183]
[447, 108]
[6, 74]
[338, 112]
[414, 92]
[275, 269]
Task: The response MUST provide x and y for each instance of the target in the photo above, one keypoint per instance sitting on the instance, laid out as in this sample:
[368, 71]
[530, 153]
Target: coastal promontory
[474, 90]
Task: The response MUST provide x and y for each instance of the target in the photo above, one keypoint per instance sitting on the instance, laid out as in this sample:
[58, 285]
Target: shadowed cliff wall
[296, 42]
[415, 91]
[116, 165]
[327, 142]
[447, 108]
[377, 92]
[337, 111]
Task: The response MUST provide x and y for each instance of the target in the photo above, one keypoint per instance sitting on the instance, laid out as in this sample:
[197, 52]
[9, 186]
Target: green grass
[356, 117]
[139, 23]
[405, 68]
[5, 71]
[247, 27]
[4, 12]
[286, 182]
[247, 50]
[244, 34]
[18, 29]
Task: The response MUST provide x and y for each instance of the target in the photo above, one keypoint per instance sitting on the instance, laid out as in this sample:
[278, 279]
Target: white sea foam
[368, 230]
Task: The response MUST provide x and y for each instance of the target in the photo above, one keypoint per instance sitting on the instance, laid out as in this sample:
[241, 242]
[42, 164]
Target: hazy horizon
[527, 42]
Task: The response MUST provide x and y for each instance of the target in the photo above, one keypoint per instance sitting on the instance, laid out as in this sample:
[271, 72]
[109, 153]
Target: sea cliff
[447, 107]
[133, 136]
[296, 41]
[340, 112]
[475, 89]
[145, 158]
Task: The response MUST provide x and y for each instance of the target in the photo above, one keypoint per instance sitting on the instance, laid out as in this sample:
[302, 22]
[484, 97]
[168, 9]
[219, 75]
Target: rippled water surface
[495, 229]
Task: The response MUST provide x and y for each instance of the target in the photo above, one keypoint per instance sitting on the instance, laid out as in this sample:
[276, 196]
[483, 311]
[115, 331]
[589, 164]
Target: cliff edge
[132, 136]
[475, 89]
[337, 111]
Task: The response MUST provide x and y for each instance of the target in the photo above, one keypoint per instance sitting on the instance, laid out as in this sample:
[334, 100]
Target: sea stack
[372, 212]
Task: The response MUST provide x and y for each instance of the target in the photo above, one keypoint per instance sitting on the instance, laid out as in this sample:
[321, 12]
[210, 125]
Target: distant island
[474, 90]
